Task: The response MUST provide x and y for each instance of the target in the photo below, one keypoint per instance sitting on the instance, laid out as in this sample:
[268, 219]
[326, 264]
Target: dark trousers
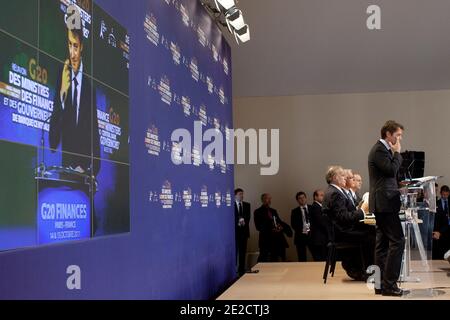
[440, 247]
[390, 243]
[272, 255]
[241, 253]
[356, 260]
[301, 244]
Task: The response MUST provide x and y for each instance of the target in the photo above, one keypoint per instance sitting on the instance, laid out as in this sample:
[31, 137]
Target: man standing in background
[319, 236]
[272, 243]
[300, 222]
[242, 229]
[441, 232]
[384, 161]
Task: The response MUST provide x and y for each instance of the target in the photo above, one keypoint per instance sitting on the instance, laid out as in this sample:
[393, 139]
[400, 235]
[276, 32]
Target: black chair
[333, 246]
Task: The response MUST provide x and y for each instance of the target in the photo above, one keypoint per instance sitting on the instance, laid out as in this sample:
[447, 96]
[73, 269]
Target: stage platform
[303, 281]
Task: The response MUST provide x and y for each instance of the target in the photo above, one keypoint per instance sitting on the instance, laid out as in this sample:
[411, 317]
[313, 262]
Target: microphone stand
[409, 167]
[41, 170]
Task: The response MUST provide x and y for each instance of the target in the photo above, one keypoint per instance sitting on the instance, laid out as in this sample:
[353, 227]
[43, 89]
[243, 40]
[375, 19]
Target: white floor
[303, 281]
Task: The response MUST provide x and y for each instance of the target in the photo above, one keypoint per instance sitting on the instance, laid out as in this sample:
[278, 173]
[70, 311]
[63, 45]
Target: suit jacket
[245, 230]
[336, 207]
[383, 169]
[297, 223]
[319, 233]
[351, 203]
[264, 224]
[80, 138]
[358, 199]
[441, 219]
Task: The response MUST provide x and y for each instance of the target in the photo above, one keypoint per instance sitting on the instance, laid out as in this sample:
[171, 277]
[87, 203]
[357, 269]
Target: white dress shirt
[241, 221]
[385, 144]
[339, 188]
[304, 211]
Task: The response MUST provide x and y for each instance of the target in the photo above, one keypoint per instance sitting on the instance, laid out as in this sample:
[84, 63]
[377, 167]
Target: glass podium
[418, 208]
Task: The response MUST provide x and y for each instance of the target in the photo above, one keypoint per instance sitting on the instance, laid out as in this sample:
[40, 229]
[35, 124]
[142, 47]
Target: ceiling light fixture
[228, 15]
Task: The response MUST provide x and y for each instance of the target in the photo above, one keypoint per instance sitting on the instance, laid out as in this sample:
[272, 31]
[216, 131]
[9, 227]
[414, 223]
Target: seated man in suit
[242, 228]
[346, 221]
[441, 232]
[319, 236]
[349, 185]
[300, 222]
[272, 243]
[356, 189]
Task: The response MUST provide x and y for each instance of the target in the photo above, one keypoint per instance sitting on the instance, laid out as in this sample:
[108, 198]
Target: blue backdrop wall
[181, 239]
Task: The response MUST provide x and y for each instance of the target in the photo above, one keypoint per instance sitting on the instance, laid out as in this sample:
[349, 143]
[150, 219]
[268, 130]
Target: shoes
[447, 256]
[393, 292]
[356, 275]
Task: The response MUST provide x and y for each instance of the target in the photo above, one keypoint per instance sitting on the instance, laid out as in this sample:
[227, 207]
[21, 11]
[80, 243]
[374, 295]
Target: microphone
[409, 167]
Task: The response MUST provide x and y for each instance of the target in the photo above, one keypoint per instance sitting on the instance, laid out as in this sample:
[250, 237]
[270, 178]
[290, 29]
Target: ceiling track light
[228, 15]
[225, 4]
[243, 34]
[234, 19]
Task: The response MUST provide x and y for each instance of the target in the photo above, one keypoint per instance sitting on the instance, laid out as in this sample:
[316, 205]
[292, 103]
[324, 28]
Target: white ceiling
[323, 46]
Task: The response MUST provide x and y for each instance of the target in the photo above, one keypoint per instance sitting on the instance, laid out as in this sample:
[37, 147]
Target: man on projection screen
[74, 121]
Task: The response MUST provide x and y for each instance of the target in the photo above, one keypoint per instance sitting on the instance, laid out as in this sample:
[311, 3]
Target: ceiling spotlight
[226, 14]
[235, 19]
[242, 34]
[226, 4]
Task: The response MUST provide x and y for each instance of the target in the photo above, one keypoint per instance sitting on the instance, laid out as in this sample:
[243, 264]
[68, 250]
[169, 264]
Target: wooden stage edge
[303, 281]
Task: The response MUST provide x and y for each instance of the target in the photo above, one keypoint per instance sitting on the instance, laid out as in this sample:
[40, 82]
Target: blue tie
[75, 99]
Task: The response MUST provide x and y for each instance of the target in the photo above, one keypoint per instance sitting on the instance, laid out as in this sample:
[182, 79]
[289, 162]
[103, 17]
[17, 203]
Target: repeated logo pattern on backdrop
[194, 84]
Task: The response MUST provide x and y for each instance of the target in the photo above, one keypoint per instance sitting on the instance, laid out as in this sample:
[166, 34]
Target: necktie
[75, 100]
[446, 205]
[305, 213]
[305, 220]
[274, 220]
[240, 209]
[350, 197]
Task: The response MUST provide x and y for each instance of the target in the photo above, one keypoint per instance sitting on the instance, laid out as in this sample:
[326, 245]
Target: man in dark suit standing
[74, 121]
[384, 161]
[242, 229]
[272, 243]
[319, 236]
[300, 223]
[441, 232]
